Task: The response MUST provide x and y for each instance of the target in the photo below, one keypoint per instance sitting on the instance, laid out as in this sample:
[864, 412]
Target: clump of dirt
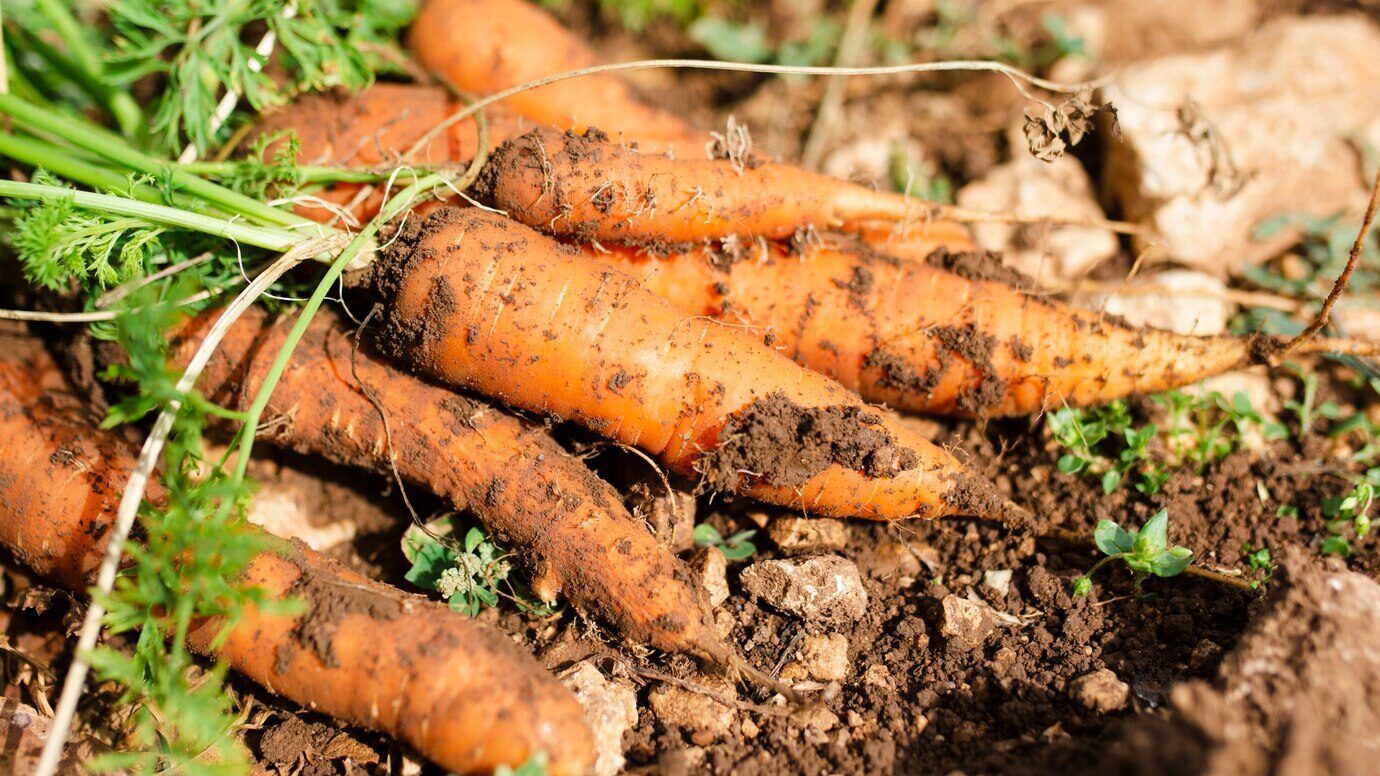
[979, 265]
[783, 444]
[309, 746]
[1300, 694]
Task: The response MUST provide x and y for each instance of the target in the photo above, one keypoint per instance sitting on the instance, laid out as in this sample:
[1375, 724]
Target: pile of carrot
[745, 323]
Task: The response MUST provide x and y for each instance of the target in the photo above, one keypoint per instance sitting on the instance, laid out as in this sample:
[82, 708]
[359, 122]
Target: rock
[1030, 187]
[966, 623]
[1214, 143]
[611, 709]
[821, 587]
[821, 658]
[816, 717]
[1185, 301]
[1257, 386]
[693, 711]
[998, 581]
[710, 568]
[878, 675]
[25, 730]
[808, 535]
[1100, 691]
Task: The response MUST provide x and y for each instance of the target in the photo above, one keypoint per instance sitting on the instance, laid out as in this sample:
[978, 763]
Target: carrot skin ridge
[364, 652]
[570, 527]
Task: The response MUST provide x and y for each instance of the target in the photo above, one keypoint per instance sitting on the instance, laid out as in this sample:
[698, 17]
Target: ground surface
[1036, 680]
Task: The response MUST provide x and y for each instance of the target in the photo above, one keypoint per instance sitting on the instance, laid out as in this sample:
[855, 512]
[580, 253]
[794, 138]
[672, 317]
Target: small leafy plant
[736, 547]
[1197, 429]
[470, 574]
[1146, 552]
[1350, 513]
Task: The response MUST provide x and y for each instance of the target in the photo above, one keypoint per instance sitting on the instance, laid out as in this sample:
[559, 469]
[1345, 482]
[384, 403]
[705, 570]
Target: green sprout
[470, 574]
[1145, 552]
[1350, 511]
[735, 547]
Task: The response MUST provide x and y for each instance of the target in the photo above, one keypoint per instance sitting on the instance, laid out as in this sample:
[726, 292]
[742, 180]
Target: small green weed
[1107, 443]
[1350, 513]
[1145, 552]
[1261, 561]
[736, 547]
[469, 574]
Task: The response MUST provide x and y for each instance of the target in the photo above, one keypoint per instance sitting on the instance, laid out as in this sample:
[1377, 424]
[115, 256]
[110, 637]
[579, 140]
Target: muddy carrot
[949, 332]
[486, 46]
[487, 304]
[582, 186]
[463, 694]
[570, 527]
[374, 130]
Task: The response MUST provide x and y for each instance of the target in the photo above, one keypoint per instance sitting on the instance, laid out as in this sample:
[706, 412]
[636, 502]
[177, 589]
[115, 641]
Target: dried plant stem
[1343, 279]
[854, 36]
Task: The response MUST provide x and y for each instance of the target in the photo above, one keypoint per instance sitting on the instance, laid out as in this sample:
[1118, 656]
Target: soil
[783, 444]
[1284, 679]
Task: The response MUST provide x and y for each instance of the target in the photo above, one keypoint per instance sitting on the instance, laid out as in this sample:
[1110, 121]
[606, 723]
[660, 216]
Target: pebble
[710, 568]
[611, 709]
[821, 658]
[817, 588]
[693, 711]
[966, 623]
[1100, 691]
[998, 581]
[808, 535]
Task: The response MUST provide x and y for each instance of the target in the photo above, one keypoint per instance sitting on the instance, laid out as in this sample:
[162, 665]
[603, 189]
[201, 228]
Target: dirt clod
[808, 535]
[710, 568]
[1100, 691]
[785, 445]
[966, 623]
[822, 587]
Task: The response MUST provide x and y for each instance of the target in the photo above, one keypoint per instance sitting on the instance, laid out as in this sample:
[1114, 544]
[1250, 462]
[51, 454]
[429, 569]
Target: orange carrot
[463, 694]
[375, 130]
[566, 524]
[581, 186]
[486, 46]
[487, 304]
[955, 333]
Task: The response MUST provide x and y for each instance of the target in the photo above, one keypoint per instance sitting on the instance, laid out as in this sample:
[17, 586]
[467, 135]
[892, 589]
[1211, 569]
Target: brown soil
[783, 444]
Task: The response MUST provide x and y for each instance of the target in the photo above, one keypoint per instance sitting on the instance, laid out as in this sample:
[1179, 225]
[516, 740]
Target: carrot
[483, 303]
[582, 186]
[374, 130]
[569, 526]
[955, 333]
[463, 694]
[486, 46]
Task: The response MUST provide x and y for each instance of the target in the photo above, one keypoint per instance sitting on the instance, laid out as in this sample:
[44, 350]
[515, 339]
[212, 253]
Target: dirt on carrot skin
[979, 265]
[783, 444]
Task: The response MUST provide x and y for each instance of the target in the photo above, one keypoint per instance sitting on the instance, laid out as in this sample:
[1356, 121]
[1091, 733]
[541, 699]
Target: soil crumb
[785, 445]
[979, 265]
